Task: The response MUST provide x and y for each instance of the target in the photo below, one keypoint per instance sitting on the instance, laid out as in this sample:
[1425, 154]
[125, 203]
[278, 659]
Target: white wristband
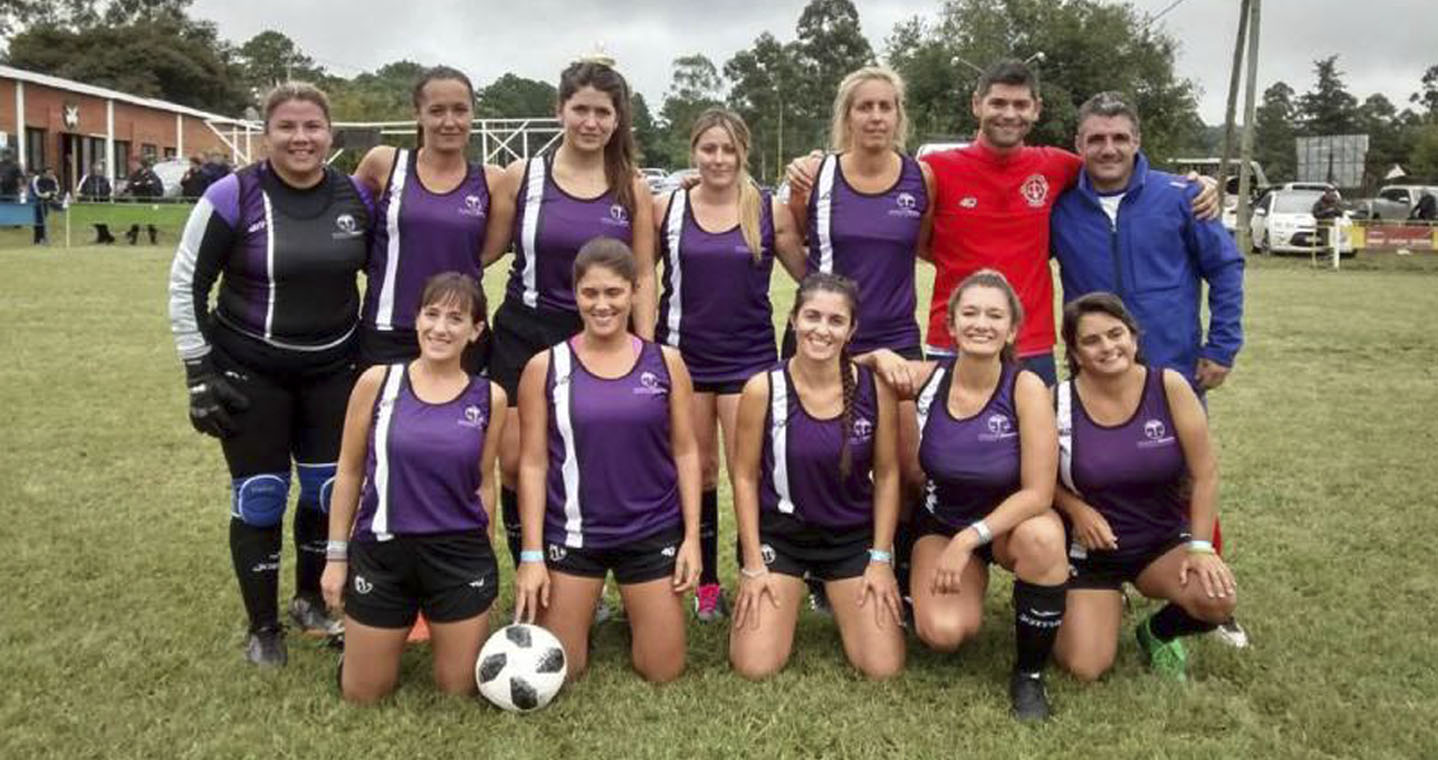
[982, 530]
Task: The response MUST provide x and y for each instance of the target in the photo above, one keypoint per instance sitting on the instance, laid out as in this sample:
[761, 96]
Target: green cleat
[1165, 658]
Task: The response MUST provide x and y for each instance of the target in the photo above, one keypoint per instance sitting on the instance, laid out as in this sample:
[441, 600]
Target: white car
[1283, 223]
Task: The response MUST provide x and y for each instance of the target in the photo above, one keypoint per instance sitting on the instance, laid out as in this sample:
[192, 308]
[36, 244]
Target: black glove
[212, 398]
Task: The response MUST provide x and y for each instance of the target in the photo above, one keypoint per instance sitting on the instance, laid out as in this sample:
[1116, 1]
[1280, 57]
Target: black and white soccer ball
[521, 667]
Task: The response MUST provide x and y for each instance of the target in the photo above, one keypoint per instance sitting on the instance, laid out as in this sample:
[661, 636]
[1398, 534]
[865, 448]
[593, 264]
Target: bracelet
[1201, 547]
[881, 556]
[531, 556]
[337, 551]
[747, 573]
[982, 530]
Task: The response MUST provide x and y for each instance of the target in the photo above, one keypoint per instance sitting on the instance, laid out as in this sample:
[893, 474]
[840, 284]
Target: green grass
[168, 218]
[121, 629]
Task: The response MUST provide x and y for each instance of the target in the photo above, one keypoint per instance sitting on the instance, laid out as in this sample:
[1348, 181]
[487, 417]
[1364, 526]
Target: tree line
[783, 87]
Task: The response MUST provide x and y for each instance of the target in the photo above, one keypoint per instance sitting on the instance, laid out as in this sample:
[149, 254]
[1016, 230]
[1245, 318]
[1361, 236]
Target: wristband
[1201, 547]
[747, 573]
[981, 529]
[531, 556]
[337, 551]
[879, 555]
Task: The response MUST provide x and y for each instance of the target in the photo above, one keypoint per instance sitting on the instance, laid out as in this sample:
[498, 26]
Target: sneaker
[1166, 658]
[819, 600]
[1232, 634]
[602, 611]
[1029, 698]
[313, 619]
[266, 648]
[709, 603]
[419, 632]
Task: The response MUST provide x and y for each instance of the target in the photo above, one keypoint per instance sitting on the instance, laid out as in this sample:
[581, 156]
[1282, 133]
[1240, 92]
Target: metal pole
[1234, 78]
[1246, 151]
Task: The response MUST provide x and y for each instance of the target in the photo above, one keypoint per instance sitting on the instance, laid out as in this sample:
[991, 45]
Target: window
[148, 152]
[122, 159]
[1397, 194]
[34, 149]
[169, 153]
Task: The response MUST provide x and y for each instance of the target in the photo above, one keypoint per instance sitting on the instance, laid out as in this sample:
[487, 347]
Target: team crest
[617, 216]
[362, 586]
[557, 553]
[907, 205]
[472, 206]
[473, 417]
[1035, 190]
[863, 430]
[1154, 429]
[649, 385]
[969, 201]
[999, 424]
[346, 227]
[766, 553]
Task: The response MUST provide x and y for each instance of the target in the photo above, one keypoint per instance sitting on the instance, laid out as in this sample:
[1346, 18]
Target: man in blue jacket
[1128, 229]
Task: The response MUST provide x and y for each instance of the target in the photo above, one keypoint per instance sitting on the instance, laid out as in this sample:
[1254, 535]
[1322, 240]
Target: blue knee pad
[259, 500]
[317, 481]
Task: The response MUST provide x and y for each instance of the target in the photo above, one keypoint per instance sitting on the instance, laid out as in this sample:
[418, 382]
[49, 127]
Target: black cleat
[313, 619]
[266, 648]
[1029, 698]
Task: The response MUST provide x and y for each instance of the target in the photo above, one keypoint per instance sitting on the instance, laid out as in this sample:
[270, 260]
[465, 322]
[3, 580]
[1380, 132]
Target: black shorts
[924, 523]
[402, 345]
[448, 576]
[720, 387]
[788, 346]
[1104, 570]
[639, 561]
[793, 547]
[521, 332]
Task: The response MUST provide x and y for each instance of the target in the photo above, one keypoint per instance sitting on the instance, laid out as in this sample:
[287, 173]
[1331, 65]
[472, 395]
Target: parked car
[1393, 202]
[1283, 223]
[654, 176]
[672, 182]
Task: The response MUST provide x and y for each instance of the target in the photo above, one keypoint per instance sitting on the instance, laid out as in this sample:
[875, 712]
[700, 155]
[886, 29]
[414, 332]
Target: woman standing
[588, 188]
[816, 493]
[1139, 486]
[988, 448]
[718, 241]
[409, 528]
[270, 369]
[609, 478]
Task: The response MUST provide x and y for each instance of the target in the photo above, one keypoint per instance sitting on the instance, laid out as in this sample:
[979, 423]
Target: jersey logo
[863, 430]
[649, 385]
[669, 551]
[1000, 427]
[1156, 434]
[766, 553]
[362, 586]
[969, 201]
[907, 206]
[345, 227]
[472, 206]
[256, 226]
[473, 417]
[1035, 190]
[618, 217]
[557, 553]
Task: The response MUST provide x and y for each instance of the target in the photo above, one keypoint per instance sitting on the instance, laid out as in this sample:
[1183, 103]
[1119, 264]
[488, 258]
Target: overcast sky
[1385, 45]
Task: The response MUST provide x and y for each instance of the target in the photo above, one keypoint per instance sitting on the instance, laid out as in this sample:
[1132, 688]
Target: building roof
[69, 85]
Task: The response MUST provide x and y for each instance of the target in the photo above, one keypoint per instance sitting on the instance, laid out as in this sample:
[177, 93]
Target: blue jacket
[1153, 258]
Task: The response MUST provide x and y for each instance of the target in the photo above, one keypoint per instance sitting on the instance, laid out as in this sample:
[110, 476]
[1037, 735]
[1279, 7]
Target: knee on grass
[879, 666]
[757, 667]
[945, 633]
[1086, 668]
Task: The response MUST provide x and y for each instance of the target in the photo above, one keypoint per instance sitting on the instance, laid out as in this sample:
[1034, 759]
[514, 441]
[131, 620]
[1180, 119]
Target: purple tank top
[715, 306]
[421, 234]
[801, 458]
[612, 478]
[973, 463]
[422, 473]
[872, 240]
[1132, 473]
[550, 226]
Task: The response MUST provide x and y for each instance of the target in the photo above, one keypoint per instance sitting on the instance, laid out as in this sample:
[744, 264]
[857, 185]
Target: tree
[829, 45]
[270, 57]
[1328, 109]
[646, 133]
[385, 94]
[1389, 142]
[514, 97]
[762, 79]
[693, 87]
[1427, 99]
[1423, 161]
[1274, 133]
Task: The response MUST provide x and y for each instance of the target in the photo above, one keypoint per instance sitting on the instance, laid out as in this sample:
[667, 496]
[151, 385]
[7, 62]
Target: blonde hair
[749, 197]
[287, 91]
[840, 138]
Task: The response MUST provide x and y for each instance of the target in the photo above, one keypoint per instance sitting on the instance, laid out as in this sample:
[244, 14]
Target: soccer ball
[521, 667]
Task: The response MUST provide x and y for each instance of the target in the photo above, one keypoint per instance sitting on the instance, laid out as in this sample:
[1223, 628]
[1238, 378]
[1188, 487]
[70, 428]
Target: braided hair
[833, 283]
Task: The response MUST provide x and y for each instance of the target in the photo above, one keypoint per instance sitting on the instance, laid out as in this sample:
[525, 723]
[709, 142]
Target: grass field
[121, 630]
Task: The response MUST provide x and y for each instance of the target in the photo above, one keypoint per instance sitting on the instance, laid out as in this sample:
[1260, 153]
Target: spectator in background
[144, 185]
[216, 168]
[193, 184]
[1326, 211]
[94, 186]
[44, 189]
[1426, 209]
[10, 177]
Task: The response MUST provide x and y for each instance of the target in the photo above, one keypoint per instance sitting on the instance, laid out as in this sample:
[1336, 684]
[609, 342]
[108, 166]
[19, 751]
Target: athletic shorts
[789, 346]
[924, 523]
[639, 561]
[521, 332]
[720, 387]
[401, 345]
[793, 547]
[448, 576]
[1106, 570]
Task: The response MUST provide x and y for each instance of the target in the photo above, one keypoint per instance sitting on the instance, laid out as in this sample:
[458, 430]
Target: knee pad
[317, 481]
[259, 500]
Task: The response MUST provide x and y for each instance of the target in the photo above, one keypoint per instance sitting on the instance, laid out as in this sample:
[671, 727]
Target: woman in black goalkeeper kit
[270, 369]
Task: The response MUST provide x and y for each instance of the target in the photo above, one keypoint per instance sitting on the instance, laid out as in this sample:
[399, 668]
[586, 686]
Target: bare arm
[686, 461]
[744, 472]
[788, 246]
[646, 299]
[349, 477]
[498, 416]
[1039, 460]
[879, 580]
[503, 193]
[801, 173]
[904, 376]
[374, 169]
[926, 224]
[531, 584]
[1192, 429]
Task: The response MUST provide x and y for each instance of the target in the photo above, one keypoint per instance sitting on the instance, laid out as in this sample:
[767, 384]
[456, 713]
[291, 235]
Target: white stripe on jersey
[1066, 434]
[925, 403]
[384, 314]
[387, 400]
[529, 231]
[778, 437]
[269, 264]
[569, 468]
[824, 212]
[189, 341]
[675, 312]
